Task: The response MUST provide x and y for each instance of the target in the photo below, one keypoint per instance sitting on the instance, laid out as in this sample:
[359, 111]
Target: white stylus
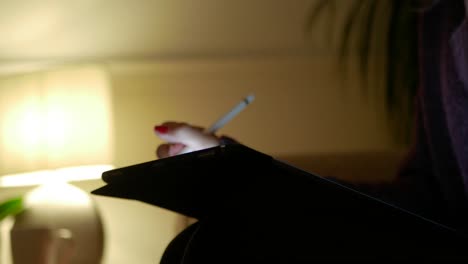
[231, 114]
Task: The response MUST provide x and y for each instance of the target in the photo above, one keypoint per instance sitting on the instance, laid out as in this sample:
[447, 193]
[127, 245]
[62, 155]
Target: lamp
[55, 127]
[54, 120]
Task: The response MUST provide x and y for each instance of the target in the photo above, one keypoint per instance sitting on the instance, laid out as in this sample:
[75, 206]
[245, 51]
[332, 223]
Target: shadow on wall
[352, 166]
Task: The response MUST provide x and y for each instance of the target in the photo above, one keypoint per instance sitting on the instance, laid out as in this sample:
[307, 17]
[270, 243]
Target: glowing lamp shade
[55, 126]
[55, 119]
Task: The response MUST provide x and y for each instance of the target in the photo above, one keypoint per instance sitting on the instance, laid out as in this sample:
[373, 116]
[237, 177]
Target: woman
[433, 180]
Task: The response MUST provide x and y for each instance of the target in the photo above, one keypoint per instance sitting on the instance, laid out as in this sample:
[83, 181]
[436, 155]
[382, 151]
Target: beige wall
[301, 106]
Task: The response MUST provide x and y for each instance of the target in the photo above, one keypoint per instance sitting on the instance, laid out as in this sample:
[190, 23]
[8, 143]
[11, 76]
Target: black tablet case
[252, 206]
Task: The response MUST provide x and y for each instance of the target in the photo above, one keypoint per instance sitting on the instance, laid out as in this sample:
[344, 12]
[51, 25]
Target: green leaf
[11, 207]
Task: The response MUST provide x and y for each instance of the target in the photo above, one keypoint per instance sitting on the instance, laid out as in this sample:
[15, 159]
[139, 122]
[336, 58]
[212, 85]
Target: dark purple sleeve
[457, 100]
[433, 178]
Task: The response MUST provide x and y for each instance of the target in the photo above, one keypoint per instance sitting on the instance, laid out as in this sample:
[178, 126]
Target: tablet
[237, 193]
[191, 184]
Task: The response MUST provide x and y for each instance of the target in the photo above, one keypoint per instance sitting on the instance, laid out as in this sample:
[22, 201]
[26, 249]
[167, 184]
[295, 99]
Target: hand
[182, 138]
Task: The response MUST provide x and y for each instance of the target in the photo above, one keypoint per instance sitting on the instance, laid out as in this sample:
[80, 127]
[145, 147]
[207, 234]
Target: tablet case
[250, 205]
[192, 184]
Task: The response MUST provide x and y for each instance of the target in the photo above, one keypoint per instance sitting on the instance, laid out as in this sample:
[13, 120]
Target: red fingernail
[161, 129]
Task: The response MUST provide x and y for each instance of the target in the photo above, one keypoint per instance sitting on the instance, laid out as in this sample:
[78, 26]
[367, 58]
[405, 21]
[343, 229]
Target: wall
[301, 105]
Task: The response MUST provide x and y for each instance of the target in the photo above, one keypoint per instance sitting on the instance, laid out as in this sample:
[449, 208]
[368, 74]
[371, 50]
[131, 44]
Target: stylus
[231, 114]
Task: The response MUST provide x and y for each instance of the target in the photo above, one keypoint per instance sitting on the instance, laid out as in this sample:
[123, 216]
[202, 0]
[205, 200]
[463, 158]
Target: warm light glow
[57, 193]
[80, 173]
[55, 119]
[55, 126]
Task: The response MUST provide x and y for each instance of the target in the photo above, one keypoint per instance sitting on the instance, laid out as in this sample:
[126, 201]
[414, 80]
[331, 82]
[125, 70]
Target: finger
[162, 151]
[173, 125]
[191, 137]
[169, 150]
[176, 132]
[167, 131]
[176, 149]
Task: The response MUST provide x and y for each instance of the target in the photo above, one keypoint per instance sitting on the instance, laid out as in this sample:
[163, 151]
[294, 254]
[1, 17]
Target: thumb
[169, 150]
